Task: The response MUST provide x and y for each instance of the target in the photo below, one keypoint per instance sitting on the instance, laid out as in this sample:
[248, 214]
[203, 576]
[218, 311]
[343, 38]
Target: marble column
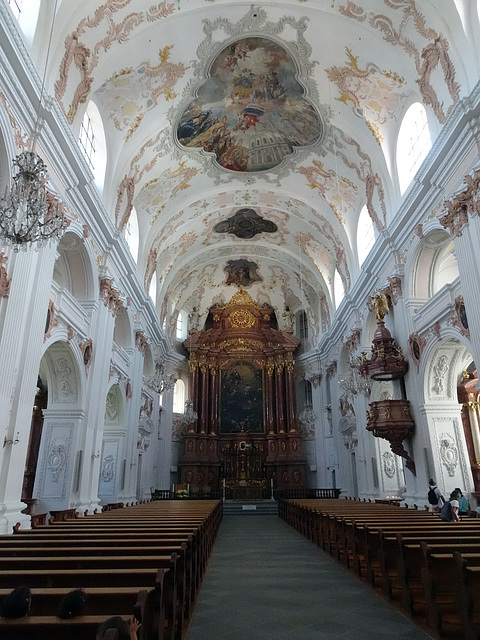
[23, 316]
[269, 370]
[212, 427]
[280, 396]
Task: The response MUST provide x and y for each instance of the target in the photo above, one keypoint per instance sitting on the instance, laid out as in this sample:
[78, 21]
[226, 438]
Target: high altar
[243, 391]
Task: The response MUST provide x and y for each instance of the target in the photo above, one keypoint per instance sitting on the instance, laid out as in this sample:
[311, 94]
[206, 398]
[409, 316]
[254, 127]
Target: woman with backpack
[450, 509]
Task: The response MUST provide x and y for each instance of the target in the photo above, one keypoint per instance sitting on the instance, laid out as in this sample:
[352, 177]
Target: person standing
[435, 496]
[462, 503]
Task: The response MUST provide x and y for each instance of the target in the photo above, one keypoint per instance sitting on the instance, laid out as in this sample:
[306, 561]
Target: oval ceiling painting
[251, 111]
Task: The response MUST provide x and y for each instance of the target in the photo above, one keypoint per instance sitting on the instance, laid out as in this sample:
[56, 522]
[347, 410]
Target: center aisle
[265, 581]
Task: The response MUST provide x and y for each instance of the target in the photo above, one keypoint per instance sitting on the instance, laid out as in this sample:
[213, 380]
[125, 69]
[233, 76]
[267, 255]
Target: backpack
[446, 512]
[432, 497]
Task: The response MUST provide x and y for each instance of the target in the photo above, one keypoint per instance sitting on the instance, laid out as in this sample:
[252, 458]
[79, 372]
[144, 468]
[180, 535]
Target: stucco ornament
[108, 468]
[389, 466]
[439, 371]
[57, 457]
[448, 453]
[111, 406]
[64, 373]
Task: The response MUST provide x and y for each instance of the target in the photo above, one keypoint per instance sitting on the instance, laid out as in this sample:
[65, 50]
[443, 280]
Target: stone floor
[266, 581]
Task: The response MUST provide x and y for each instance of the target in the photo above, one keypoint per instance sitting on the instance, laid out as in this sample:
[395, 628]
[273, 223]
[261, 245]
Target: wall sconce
[12, 442]
[96, 455]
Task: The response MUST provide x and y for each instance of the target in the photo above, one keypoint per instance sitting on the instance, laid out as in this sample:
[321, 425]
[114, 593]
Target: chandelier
[354, 382]
[28, 213]
[161, 381]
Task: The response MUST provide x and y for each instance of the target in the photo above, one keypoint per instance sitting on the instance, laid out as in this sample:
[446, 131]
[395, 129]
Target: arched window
[413, 144]
[26, 12]
[302, 326]
[179, 397]
[338, 290]
[152, 291]
[181, 331]
[92, 143]
[131, 234]
[365, 235]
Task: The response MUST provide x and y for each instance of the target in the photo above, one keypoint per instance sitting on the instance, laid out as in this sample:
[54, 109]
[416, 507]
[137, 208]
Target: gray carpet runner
[265, 581]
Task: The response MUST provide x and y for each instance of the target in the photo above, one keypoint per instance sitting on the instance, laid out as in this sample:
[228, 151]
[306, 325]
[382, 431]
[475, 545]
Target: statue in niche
[242, 273]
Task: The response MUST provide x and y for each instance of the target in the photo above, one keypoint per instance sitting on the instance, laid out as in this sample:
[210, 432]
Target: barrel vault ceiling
[248, 137]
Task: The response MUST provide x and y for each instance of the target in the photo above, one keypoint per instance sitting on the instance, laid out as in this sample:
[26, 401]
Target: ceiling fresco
[248, 137]
[241, 273]
[245, 223]
[251, 112]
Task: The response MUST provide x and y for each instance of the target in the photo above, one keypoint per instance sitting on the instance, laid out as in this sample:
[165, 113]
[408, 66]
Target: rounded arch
[63, 374]
[365, 235]
[432, 264]
[92, 141]
[179, 396]
[413, 144]
[123, 331]
[75, 267]
[114, 409]
[148, 363]
[443, 364]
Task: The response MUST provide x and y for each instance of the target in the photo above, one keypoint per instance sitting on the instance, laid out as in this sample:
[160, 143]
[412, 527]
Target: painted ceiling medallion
[251, 111]
[242, 273]
[245, 224]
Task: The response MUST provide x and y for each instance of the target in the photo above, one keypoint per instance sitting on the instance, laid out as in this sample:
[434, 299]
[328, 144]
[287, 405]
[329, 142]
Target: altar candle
[224, 483]
[271, 482]
[173, 490]
[188, 488]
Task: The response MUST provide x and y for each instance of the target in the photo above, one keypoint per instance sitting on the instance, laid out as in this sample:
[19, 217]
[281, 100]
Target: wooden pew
[467, 595]
[42, 622]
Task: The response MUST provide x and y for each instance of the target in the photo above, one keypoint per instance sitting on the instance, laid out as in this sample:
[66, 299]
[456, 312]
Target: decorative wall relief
[64, 375]
[448, 453]
[141, 342]
[51, 321]
[87, 353]
[112, 298]
[417, 345]
[4, 281]
[245, 224]
[460, 319]
[439, 372]
[57, 457]
[241, 273]
[55, 462]
[108, 468]
[433, 61]
[375, 94]
[389, 465]
[112, 409]
[147, 82]
[251, 111]
[90, 41]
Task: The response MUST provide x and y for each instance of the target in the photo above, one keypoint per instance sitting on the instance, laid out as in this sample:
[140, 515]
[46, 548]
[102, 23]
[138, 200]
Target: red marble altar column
[270, 398]
[193, 391]
[280, 396]
[290, 396]
[212, 427]
[204, 397]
